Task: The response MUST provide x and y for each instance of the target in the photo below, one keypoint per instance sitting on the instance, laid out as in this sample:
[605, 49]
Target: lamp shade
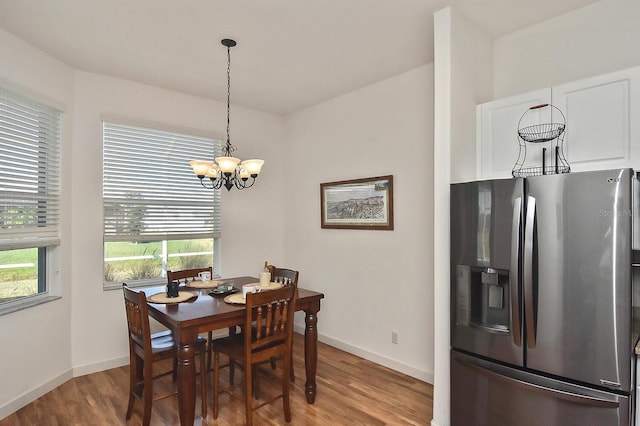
[227, 164]
[253, 166]
[200, 167]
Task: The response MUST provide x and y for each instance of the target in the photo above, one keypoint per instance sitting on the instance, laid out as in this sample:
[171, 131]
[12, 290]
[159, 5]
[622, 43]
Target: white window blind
[29, 173]
[149, 190]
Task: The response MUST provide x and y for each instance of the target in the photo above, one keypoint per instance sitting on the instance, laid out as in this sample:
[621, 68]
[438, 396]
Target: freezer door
[489, 394]
[577, 276]
[486, 220]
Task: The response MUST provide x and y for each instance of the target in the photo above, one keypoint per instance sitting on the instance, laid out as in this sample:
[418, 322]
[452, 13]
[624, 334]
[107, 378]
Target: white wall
[36, 343]
[375, 282]
[85, 330]
[252, 219]
[595, 39]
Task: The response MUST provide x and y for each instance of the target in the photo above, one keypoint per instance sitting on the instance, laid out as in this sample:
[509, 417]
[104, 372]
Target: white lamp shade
[253, 167]
[200, 168]
[213, 171]
[227, 164]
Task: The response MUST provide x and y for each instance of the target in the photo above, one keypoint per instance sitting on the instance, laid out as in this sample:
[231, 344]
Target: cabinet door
[497, 132]
[602, 120]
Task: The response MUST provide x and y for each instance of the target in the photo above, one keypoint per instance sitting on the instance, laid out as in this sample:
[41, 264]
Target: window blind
[149, 190]
[29, 173]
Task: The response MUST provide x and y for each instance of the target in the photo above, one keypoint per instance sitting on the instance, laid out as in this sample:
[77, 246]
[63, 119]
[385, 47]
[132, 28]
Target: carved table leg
[311, 353]
[186, 381]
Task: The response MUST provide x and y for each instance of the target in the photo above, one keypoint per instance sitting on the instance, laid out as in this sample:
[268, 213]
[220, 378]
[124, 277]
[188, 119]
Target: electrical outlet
[394, 337]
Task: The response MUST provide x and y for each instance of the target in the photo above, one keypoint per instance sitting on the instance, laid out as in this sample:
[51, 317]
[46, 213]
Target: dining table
[203, 313]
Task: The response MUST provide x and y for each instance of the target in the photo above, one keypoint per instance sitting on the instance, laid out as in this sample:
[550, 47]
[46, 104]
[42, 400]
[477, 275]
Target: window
[29, 196]
[157, 216]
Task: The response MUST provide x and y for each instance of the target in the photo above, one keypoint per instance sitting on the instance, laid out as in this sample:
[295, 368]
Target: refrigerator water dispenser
[482, 298]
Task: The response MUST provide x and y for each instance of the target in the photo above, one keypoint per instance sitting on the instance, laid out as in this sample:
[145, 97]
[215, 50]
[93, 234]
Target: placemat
[235, 299]
[162, 297]
[201, 284]
[271, 286]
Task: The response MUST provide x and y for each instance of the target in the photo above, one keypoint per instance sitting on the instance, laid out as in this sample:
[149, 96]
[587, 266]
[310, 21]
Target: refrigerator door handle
[566, 392]
[527, 265]
[514, 287]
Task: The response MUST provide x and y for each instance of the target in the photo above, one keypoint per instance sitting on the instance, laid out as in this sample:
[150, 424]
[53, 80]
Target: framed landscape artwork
[357, 204]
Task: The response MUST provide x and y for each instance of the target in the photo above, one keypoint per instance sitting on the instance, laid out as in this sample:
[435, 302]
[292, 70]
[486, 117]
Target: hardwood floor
[351, 391]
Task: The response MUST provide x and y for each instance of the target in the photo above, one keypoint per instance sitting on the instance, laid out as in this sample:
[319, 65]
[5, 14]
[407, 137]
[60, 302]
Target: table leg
[311, 353]
[186, 382]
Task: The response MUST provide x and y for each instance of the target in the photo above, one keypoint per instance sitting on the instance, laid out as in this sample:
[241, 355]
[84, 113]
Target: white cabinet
[602, 120]
[602, 124]
[497, 131]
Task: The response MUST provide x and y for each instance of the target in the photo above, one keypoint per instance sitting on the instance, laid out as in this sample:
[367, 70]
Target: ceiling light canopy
[227, 171]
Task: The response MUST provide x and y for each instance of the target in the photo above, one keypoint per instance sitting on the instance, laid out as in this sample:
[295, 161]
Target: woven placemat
[235, 299]
[183, 296]
[202, 284]
[271, 286]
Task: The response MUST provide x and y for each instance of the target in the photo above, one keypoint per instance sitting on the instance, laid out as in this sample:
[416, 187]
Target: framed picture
[357, 204]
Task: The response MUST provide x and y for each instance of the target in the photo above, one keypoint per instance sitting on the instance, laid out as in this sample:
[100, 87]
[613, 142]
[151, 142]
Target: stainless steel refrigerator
[542, 320]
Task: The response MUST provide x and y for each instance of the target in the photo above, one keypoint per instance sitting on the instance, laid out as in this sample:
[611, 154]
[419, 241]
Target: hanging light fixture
[227, 170]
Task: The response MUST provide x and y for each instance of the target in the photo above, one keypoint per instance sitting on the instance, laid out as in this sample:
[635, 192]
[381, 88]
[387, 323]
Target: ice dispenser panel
[482, 298]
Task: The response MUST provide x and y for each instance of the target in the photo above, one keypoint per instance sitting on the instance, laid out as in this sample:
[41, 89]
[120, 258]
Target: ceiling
[291, 54]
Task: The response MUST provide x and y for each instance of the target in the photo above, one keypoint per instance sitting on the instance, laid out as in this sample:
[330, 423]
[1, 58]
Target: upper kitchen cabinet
[602, 120]
[602, 124]
[497, 131]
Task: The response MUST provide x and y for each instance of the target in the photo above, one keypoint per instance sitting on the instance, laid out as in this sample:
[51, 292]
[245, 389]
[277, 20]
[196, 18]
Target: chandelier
[227, 170]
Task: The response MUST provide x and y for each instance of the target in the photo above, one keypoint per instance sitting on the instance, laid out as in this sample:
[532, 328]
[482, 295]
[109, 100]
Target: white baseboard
[33, 394]
[108, 364]
[373, 357]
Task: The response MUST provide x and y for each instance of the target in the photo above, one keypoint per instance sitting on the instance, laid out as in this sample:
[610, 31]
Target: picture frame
[357, 204]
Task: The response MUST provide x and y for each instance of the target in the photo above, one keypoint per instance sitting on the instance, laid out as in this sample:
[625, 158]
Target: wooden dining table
[206, 313]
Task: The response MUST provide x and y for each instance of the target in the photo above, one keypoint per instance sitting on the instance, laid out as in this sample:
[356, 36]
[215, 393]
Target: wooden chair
[185, 274]
[145, 349]
[274, 309]
[287, 277]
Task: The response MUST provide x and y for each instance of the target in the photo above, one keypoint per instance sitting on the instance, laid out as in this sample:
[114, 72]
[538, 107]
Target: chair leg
[209, 350]
[286, 406]
[134, 365]
[292, 376]
[203, 382]
[216, 383]
[248, 369]
[147, 393]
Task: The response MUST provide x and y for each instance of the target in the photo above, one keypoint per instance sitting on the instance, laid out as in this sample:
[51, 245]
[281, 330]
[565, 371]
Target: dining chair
[286, 277]
[186, 274]
[273, 309]
[145, 349]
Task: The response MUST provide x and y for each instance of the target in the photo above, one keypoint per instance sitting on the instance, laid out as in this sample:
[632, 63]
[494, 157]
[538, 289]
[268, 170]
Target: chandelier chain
[228, 147]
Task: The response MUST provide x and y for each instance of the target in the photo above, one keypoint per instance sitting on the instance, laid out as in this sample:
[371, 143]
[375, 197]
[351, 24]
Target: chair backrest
[287, 277]
[137, 318]
[187, 273]
[275, 311]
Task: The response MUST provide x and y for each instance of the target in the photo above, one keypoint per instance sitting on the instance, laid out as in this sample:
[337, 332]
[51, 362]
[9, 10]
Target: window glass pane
[189, 254]
[131, 261]
[18, 273]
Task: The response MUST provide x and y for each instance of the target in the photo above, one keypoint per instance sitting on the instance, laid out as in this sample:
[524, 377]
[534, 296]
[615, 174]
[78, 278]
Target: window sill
[26, 302]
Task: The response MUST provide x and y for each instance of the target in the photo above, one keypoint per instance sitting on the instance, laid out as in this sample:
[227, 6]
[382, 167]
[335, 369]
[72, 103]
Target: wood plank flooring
[351, 391]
